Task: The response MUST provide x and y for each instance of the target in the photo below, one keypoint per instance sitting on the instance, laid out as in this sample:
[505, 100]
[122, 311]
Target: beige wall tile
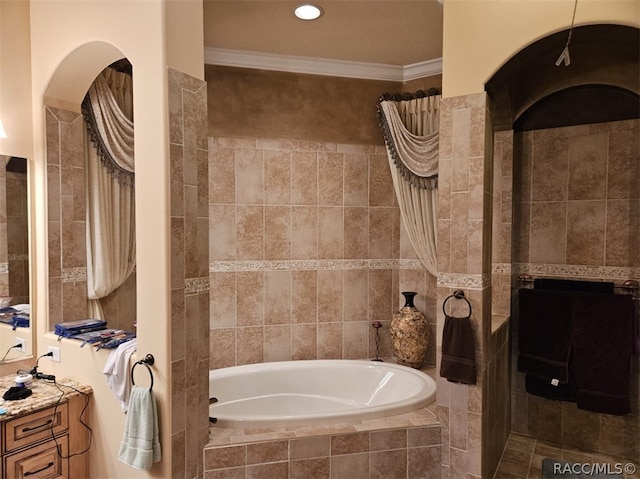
[222, 178]
[222, 232]
[277, 294]
[355, 295]
[586, 232]
[587, 167]
[249, 232]
[304, 298]
[277, 177]
[356, 179]
[304, 232]
[304, 178]
[249, 176]
[388, 464]
[356, 232]
[548, 232]
[330, 232]
[277, 232]
[249, 297]
[381, 192]
[330, 179]
[330, 296]
[354, 466]
[304, 341]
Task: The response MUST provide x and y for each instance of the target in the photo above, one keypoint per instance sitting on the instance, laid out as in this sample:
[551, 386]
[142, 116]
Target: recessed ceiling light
[307, 12]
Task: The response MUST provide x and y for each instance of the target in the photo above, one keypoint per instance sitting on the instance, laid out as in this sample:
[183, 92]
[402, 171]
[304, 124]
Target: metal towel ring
[458, 294]
[148, 361]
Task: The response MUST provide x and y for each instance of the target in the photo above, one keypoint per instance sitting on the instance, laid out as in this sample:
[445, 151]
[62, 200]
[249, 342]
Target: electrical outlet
[22, 344]
[56, 353]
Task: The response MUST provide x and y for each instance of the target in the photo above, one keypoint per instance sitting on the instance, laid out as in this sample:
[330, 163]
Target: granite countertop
[45, 394]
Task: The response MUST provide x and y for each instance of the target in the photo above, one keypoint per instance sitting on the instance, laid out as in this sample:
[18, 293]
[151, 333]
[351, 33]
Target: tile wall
[67, 228]
[305, 251]
[474, 417]
[577, 215]
[406, 446]
[189, 194]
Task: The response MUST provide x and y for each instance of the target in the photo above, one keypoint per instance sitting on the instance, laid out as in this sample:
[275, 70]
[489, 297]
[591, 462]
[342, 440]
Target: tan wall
[266, 104]
[480, 36]
[577, 204]
[15, 79]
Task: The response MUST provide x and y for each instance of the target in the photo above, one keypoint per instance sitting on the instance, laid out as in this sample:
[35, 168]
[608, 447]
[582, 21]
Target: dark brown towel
[543, 388]
[458, 355]
[545, 333]
[604, 287]
[602, 347]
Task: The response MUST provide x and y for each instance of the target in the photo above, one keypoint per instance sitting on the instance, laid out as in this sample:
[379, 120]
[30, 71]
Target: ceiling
[389, 32]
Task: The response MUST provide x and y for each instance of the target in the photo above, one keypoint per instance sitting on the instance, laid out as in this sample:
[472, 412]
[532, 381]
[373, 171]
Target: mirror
[15, 322]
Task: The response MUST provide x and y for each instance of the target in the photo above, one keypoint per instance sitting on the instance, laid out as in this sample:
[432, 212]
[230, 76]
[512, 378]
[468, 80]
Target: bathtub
[302, 393]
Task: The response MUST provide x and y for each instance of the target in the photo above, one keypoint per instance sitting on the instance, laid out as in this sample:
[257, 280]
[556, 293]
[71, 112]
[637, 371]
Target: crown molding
[321, 66]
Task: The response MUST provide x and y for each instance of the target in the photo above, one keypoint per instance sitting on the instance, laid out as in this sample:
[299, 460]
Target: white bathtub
[299, 393]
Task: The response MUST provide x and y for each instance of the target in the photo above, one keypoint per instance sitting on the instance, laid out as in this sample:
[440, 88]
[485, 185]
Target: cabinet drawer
[34, 427]
[39, 462]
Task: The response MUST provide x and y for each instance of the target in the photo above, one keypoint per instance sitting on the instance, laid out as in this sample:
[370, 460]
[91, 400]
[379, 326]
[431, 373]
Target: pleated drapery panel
[111, 246]
[411, 131]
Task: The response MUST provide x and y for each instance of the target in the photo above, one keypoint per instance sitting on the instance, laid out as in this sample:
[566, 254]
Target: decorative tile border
[71, 275]
[613, 273]
[4, 268]
[466, 281]
[501, 268]
[18, 257]
[320, 264]
[196, 285]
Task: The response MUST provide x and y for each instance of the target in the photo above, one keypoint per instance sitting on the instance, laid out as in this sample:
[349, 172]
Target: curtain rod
[408, 96]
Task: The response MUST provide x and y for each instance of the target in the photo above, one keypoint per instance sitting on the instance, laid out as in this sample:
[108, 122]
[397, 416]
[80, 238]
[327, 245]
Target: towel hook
[458, 294]
[148, 361]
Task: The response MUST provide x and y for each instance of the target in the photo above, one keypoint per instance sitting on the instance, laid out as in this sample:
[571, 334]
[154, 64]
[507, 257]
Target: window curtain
[410, 124]
[110, 201]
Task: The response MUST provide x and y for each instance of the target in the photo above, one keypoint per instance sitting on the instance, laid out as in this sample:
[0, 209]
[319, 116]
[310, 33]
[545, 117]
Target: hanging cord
[81, 419]
[564, 56]
[8, 350]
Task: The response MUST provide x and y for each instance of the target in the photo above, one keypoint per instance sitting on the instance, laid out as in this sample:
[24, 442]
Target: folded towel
[458, 354]
[140, 446]
[116, 370]
[602, 348]
[544, 333]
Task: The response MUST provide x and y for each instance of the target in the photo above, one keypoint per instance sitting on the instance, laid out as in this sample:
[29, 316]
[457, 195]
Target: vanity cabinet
[37, 439]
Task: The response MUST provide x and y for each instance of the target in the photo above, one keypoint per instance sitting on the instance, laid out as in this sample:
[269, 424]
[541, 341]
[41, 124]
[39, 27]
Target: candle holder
[377, 325]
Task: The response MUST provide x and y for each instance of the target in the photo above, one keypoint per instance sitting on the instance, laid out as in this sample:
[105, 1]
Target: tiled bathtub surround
[305, 251]
[474, 417]
[189, 273]
[403, 446]
[577, 206]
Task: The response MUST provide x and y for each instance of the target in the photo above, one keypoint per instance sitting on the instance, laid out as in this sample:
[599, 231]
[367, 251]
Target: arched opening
[566, 199]
[69, 211]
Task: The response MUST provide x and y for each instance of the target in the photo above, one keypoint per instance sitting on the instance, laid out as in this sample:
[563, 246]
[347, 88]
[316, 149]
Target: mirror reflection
[14, 259]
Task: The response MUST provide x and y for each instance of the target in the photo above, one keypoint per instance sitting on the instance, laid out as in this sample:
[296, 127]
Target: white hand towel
[140, 446]
[116, 370]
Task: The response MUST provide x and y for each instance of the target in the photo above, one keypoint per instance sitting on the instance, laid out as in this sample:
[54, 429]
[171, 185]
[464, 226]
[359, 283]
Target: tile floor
[522, 458]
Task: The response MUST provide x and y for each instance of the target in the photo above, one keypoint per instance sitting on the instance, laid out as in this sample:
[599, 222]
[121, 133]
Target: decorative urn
[409, 334]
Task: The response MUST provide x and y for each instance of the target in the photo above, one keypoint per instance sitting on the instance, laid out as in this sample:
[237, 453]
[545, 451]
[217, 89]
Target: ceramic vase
[410, 334]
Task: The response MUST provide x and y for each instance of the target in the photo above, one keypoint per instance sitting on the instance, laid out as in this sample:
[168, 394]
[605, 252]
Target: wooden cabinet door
[35, 427]
[39, 462]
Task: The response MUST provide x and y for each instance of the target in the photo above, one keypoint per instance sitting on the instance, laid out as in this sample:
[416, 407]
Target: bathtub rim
[412, 403]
